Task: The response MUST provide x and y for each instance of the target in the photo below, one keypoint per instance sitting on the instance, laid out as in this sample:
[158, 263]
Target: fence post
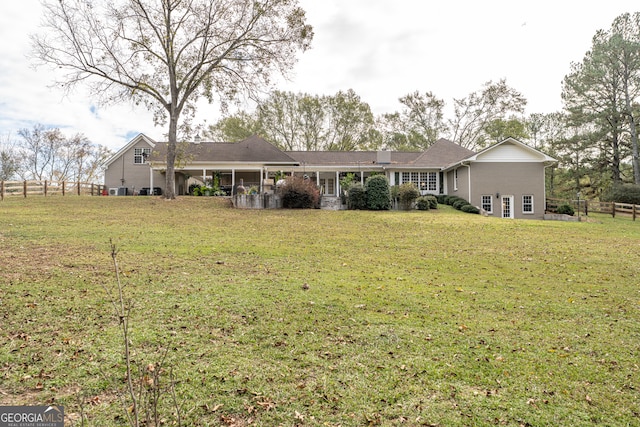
[45, 188]
[613, 209]
[24, 189]
[634, 212]
[2, 190]
[78, 188]
[63, 188]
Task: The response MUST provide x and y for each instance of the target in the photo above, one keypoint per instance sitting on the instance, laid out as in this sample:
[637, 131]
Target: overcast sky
[382, 49]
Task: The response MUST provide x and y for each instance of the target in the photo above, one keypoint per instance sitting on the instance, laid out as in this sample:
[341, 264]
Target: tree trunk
[615, 165]
[633, 130]
[170, 190]
[634, 152]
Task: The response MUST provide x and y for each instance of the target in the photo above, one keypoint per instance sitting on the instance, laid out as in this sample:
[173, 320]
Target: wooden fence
[49, 188]
[584, 207]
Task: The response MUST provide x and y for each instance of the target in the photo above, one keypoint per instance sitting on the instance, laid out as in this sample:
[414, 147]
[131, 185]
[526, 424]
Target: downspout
[468, 178]
[151, 179]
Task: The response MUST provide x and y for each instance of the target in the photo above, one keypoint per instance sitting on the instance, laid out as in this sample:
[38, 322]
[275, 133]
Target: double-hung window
[432, 181]
[487, 203]
[527, 204]
[140, 155]
[426, 181]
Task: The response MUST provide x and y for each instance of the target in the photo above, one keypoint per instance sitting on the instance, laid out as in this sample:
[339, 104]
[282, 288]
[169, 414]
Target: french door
[507, 206]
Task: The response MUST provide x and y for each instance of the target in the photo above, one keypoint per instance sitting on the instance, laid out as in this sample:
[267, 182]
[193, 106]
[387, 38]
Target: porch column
[150, 180]
[261, 179]
[337, 184]
[204, 176]
[233, 181]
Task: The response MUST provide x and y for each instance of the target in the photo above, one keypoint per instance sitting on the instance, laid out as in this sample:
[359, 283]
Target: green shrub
[422, 203]
[627, 193]
[566, 210]
[450, 200]
[192, 189]
[470, 209]
[440, 198]
[377, 191]
[348, 181]
[433, 202]
[458, 204]
[407, 194]
[357, 197]
[299, 193]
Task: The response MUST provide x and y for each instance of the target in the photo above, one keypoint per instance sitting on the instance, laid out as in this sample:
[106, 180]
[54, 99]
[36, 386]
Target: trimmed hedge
[377, 193]
[357, 197]
[422, 203]
[407, 193]
[433, 202]
[458, 204]
[470, 209]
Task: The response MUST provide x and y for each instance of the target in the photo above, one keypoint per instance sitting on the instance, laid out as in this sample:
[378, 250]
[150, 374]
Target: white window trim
[531, 212]
[141, 152]
[490, 202]
[455, 179]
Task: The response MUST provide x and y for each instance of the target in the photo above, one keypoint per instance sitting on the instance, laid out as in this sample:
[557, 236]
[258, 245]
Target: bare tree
[9, 158]
[48, 154]
[169, 53]
[39, 149]
[473, 113]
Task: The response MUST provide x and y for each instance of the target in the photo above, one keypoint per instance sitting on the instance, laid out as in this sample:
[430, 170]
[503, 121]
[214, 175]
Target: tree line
[594, 137]
[47, 154]
[344, 122]
[168, 55]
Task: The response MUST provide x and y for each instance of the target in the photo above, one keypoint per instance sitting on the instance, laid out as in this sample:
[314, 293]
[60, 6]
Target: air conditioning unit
[113, 191]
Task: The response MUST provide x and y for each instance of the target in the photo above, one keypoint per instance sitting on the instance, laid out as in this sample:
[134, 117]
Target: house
[505, 180]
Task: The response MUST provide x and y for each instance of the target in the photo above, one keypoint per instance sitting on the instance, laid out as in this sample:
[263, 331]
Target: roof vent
[197, 139]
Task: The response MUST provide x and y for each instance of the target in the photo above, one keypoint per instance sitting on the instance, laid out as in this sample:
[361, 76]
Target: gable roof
[443, 152]
[508, 150]
[251, 150]
[135, 141]
[513, 150]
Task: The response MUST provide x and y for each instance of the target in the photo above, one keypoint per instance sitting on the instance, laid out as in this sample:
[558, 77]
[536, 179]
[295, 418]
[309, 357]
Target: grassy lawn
[410, 318]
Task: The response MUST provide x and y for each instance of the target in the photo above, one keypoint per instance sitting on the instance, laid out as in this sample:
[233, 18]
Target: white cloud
[383, 49]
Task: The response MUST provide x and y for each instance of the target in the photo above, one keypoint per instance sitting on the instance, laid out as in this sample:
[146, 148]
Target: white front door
[507, 206]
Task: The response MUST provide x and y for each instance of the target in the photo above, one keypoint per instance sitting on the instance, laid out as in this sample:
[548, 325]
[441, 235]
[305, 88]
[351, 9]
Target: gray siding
[463, 183]
[124, 173]
[509, 179]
